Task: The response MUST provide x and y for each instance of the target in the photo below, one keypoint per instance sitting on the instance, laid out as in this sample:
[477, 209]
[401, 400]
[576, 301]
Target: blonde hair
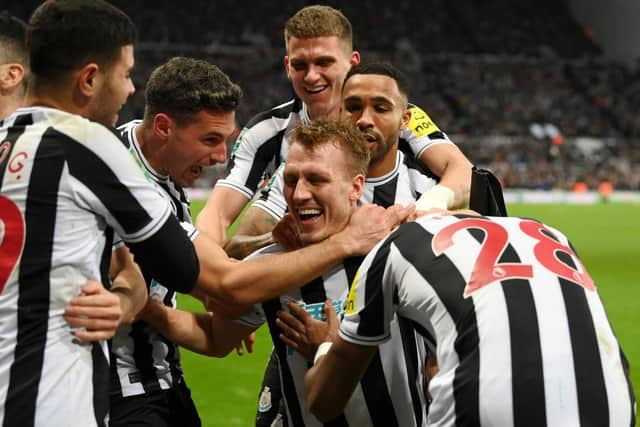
[341, 134]
[318, 21]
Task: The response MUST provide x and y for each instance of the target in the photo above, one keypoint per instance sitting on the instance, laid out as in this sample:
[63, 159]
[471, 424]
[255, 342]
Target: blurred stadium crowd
[518, 85]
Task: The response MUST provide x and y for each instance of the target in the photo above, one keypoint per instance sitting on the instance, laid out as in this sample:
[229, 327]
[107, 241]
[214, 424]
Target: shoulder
[278, 113]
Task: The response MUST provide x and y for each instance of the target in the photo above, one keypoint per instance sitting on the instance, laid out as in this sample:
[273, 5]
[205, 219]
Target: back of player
[520, 333]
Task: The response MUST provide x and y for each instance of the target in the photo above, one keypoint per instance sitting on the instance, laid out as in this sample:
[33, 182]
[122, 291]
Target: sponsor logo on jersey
[350, 306]
[420, 123]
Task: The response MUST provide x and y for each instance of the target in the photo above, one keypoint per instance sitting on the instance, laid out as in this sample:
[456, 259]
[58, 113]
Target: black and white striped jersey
[65, 184]
[262, 145]
[143, 360]
[519, 331]
[390, 392]
[404, 184]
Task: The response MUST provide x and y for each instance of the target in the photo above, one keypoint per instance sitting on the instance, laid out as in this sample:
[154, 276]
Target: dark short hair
[342, 135]
[63, 35]
[182, 87]
[319, 21]
[13, 39]
[380, 68]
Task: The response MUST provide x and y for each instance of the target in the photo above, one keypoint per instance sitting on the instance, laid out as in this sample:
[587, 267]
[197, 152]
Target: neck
[58, 98]
[152, 148]
[10, 104]
[384, 165]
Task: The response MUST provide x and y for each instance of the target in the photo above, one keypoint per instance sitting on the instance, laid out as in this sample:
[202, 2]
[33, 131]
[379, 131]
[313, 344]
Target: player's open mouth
[196, 170]
[315, 90]
[370, 137]
[309, 214]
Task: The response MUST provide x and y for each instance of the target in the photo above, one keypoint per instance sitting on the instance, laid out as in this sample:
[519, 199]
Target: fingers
[397, 214]
[286, 233]
[92, 336]
[249, 341]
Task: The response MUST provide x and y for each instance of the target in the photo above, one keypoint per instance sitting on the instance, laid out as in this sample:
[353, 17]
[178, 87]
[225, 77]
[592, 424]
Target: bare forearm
[241, 245]
[330, 383]
[233, 286]
[132, 295]
[457, 177]
[253, 233]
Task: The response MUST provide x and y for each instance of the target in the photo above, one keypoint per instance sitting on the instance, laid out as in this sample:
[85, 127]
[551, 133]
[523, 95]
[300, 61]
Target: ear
[406, 117]
[12, 76]
[355, 58]
[162, 126]
[358, 188]
[89, 79]
[287, 66]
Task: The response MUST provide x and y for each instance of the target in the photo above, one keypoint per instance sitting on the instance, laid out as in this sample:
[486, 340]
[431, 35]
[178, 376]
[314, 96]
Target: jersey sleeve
[422, 132]
[272, 198]
[369, 308]
[106, 181]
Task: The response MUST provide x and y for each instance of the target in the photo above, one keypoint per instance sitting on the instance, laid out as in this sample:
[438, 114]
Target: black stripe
[143, 357]
[280, 112]
[376, 394]
[385, 194]
[371, 322]
[351, 266]
[115, 388]
[414, 365]
[526, 350]
[268, 153]
[105, 259]
[526, 355]
[313, 292]
[412, 163]
[289, 391]
[98, 177]
[34, 282]
[466, 379]
[14, 132]
[100, 384]
[592, 393]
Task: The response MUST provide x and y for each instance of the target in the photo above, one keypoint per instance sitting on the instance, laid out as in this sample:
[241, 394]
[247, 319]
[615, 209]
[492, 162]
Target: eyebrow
[382, 99]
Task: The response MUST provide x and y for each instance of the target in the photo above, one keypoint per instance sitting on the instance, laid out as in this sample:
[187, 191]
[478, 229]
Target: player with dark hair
[66, 183]
[189, 114]
[518, 329]
[14, 63]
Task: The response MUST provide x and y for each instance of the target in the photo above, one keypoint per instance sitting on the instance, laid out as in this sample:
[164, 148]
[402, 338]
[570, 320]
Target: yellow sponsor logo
[350, 306]
[420, 123]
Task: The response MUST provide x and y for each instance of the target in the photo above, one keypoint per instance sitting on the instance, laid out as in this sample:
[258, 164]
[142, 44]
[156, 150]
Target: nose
[301, 191]
[131, 88]
[312, 74]
[365, 120]
[218, 154]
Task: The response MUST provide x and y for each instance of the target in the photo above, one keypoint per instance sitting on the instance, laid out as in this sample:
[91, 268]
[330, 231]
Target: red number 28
[487, 270]
[11, 238]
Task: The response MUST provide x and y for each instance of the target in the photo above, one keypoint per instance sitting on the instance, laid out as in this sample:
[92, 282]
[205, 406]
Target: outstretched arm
[204, 333]
[454, 170]
[230, 284]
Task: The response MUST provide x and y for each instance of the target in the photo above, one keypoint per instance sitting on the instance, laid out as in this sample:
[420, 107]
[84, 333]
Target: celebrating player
[519, 332]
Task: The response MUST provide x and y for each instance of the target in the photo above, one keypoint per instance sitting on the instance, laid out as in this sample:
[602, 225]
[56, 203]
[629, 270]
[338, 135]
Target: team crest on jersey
[420, 123]
[264, 404]
[236, 145]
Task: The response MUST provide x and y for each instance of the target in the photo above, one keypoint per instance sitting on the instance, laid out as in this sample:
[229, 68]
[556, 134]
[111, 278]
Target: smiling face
[196, 145]
[115, 88]
[319, 191]
[316, 67]
[374, 104]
